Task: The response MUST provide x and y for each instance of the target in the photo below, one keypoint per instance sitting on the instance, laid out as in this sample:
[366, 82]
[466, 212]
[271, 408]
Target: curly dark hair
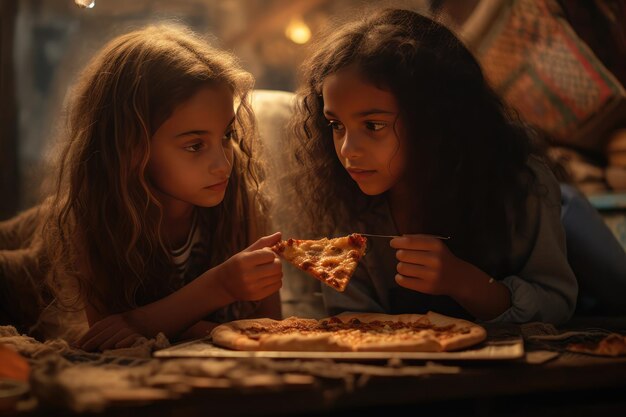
[467, 151]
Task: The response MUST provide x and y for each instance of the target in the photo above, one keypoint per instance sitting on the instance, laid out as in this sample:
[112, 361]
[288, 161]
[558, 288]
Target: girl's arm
[541, 288]
[171, 315]
[199, 330]
[482, 296]
[544, 287]
[269, 307]
[253, 274]
[425, 264]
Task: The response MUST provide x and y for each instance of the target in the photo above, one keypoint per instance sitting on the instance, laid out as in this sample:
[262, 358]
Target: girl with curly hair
[154, 222]
[399, 134]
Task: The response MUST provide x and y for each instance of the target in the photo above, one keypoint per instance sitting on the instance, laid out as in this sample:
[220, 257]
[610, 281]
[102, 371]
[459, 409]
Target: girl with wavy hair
[156, 204]
[399, 134]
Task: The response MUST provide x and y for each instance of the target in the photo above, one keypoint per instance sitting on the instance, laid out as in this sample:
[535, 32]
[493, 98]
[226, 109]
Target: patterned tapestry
[539, 65]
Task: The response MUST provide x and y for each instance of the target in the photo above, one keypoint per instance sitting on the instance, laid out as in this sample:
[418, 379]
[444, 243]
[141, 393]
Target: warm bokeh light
[298, 31]
[86, 4]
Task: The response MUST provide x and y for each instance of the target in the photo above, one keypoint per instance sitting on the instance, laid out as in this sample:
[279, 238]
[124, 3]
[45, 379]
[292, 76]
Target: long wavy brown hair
[467, 152]
[104, 226]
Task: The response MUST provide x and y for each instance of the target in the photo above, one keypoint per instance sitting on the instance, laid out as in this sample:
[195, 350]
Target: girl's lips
[218, 187]
[360, 174]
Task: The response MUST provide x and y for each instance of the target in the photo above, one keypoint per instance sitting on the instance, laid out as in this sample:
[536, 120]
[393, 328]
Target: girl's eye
[193, 148]
[375, 126]
[335, 125]
[230, 135]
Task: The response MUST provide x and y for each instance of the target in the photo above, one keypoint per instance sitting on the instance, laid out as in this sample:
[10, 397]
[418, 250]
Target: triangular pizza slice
[331, 261]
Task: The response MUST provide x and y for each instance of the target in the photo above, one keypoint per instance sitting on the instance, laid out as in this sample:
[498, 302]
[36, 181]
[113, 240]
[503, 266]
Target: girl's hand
[254, 273]
[112, 332]
[425, 264]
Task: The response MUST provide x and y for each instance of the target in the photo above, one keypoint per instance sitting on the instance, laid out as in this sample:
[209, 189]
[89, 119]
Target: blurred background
[45, 43]
[561, 64]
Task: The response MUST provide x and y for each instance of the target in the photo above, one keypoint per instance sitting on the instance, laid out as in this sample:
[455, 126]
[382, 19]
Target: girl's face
[191, 153]
[367, 132]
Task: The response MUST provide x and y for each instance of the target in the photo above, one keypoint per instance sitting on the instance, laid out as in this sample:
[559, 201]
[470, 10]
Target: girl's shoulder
[545, 184]
[538, 224]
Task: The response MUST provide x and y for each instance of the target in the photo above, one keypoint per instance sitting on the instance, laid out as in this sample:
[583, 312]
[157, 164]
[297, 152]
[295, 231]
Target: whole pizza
[351, 332]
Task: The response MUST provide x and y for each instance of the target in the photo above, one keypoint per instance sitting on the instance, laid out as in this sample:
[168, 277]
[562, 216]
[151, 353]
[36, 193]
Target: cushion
[535, 60]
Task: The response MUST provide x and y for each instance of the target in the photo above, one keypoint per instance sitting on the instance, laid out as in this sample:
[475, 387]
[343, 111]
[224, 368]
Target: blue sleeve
[544, 287]
[595, 254]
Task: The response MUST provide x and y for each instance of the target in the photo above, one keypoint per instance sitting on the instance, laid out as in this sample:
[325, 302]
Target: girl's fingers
[97, 339]
[416, 242]
[267, 270]
[112, 341]
[88, 335]
[266, 286]
[129, 341]
[260, 257]
[271, 289]
[413, 271]
[414, 284]
[270, 280]
[265, 242]
[418, 258]
[97, 328]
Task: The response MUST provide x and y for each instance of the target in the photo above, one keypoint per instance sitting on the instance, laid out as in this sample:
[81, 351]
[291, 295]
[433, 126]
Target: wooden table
[568, 385]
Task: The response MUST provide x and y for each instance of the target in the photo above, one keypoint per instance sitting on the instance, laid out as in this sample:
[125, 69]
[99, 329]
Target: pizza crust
[256, 334]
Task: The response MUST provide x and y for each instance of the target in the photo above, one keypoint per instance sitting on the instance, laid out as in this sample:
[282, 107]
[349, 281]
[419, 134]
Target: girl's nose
[221, 162]
[350, 148]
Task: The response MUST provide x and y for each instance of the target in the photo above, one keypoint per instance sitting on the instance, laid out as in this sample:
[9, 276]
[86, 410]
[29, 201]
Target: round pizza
[351, 332]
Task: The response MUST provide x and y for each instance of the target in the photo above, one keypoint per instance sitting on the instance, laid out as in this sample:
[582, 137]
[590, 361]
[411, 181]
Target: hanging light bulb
[85, 4]
[298, 31]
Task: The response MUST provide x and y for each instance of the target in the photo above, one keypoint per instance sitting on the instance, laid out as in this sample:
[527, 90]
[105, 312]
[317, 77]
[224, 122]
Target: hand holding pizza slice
[332, 261]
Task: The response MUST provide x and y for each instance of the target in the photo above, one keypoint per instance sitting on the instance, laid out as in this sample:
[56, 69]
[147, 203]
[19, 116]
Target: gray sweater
[542, 284]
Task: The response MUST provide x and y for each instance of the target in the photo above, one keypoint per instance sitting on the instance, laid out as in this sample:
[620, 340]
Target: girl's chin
[371, 191]
[210, 204]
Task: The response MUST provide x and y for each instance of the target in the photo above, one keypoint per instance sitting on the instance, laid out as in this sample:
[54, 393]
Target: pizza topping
[330, 263]
[351, 332]
[356, 240]
[354, 325]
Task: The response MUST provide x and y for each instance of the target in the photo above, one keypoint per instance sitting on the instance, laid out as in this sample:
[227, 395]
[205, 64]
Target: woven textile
[537, 63]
